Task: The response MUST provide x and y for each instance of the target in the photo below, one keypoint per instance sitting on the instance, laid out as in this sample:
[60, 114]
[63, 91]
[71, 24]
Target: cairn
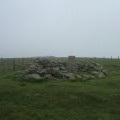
[46, 69]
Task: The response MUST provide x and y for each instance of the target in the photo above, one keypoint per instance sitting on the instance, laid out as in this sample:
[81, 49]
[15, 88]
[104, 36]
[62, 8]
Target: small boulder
[69, 76]
[94, 72]
[101, 75]
[78, 76]
[33, 76]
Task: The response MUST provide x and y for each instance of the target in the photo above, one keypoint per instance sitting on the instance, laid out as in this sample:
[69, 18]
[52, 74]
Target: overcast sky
[88, 28]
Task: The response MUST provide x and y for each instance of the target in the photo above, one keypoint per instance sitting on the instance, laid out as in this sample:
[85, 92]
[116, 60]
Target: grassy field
[62, 100]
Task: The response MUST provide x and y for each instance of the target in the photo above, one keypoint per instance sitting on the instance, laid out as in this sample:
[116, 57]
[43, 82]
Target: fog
[84, 28]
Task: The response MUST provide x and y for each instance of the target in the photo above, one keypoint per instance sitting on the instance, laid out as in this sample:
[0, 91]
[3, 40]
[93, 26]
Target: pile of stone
[91, 70]
[44, 69]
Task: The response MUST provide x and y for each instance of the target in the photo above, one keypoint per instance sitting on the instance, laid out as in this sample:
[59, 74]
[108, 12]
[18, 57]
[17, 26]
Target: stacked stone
[92, 69]
[46, 69]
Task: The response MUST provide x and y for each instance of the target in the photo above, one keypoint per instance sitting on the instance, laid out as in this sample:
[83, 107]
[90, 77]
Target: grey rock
[78, 76]
[56, 69]
[94, 72]
[86, 77]
[101, 75]
[33, 76]
[69, 76]
[48, 76]
[105, 72]
[46, 69]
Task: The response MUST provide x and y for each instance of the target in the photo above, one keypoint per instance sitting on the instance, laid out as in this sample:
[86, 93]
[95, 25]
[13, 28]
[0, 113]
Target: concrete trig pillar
[71, 65]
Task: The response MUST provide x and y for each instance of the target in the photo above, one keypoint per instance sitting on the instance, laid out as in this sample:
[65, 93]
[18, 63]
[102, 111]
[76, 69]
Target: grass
[61, 100]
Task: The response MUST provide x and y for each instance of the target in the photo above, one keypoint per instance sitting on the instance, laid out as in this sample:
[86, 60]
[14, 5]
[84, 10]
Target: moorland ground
[97, 99]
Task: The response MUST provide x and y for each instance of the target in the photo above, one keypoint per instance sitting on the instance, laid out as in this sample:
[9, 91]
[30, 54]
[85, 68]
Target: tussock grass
[61, 100]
